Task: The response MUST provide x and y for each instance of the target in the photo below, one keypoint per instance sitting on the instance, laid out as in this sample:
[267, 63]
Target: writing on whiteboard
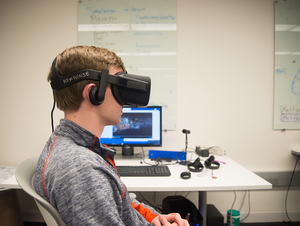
[290, 113]
[295, 86]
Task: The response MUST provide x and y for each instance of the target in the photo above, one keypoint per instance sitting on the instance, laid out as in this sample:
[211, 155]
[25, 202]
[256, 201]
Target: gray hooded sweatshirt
[77, 175]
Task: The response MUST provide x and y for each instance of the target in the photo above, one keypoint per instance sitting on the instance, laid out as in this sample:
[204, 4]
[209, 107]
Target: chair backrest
[25, 175]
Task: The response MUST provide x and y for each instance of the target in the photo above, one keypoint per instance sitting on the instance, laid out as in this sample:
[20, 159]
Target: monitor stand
[127, 150]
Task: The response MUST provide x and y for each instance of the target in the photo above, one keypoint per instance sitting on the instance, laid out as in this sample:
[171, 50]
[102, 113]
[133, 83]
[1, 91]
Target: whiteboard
[144, 34]
[287, 65]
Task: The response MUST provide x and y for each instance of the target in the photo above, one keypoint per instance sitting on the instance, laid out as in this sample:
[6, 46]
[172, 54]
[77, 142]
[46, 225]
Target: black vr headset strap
[97, 94]
[102, 85]
[120, 79]
[59, 82]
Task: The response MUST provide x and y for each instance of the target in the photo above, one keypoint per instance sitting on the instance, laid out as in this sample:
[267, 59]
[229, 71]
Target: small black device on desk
[144, 171]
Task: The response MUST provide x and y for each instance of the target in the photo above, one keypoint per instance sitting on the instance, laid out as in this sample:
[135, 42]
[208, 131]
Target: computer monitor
[139, 126]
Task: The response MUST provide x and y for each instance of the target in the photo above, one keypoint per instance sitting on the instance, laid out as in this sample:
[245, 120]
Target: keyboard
[144, 171]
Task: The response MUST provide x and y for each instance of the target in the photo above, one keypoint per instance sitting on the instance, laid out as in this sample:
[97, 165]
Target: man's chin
[115, 123]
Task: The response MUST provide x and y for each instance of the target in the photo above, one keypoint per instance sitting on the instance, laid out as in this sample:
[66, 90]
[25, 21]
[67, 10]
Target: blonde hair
[79, 58]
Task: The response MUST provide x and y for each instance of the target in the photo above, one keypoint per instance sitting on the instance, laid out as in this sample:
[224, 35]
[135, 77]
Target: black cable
[155, 204]
[52, 123]
[158, 161]
[147, 202]
[144, 161]
[144, 199]
[187, 194]
[140, 154]
[287, 193]
[177, 158]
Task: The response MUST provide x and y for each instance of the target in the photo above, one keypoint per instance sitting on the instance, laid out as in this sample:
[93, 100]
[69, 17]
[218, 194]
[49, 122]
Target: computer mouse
[185, 175]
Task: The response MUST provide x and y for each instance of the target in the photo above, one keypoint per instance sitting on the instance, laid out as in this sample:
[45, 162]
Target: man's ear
[86, 91]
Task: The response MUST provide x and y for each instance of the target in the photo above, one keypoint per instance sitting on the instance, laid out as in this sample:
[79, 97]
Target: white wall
[225, 87]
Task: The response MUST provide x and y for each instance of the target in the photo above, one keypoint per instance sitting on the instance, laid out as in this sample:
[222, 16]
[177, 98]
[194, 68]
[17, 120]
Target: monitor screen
[139, 126]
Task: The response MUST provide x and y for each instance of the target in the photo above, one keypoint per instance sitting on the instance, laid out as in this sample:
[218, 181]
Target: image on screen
[134, 125]
[139, 126]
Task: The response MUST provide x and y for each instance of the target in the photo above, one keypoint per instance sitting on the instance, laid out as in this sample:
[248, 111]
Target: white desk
[230, 176]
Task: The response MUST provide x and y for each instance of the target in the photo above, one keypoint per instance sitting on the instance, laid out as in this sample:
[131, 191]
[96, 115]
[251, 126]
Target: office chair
[25, 177]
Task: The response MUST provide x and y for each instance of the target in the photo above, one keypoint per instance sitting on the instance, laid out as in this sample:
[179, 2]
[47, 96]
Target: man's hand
[173, 219]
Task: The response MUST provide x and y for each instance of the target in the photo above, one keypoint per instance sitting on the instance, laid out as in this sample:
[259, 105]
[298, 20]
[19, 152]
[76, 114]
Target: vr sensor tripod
[186, 132]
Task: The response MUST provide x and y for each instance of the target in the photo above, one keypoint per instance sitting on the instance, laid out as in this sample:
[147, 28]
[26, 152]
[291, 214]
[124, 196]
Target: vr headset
[127, 89]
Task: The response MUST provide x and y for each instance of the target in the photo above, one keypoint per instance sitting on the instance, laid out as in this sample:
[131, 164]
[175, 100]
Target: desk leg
[202, 205]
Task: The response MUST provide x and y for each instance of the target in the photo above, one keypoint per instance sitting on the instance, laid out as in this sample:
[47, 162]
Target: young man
[75, 173]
